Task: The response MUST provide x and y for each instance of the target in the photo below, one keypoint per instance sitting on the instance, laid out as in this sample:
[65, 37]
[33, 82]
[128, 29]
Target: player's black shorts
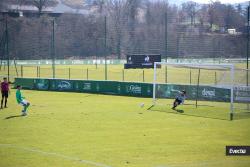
[5, 94]
[178, 101]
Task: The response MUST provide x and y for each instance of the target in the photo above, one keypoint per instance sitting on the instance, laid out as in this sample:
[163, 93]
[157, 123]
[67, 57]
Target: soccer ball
[142, 105]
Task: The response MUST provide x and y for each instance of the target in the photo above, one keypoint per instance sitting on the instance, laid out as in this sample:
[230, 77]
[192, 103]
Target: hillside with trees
[119, 27]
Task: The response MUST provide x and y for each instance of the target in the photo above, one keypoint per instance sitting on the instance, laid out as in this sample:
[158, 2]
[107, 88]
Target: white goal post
[224, 78]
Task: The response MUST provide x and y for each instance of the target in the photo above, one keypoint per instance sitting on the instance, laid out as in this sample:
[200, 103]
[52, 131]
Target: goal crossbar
[229, 67]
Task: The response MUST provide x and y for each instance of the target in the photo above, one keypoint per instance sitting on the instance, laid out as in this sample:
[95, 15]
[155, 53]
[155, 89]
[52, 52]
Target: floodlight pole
[177, 45]
[96, 54]
[6, 43]
[105, 47]
[248, 35]
[53, 48]
[166, 36]
[7, 46]
[197, 88]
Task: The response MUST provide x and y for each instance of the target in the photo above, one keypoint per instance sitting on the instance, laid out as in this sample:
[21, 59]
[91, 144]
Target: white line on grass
[55, 155]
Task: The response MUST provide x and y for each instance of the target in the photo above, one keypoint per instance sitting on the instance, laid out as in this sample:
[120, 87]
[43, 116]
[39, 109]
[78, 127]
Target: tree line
[115, 28]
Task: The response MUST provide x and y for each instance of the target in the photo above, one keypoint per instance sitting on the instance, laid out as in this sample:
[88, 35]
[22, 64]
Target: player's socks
[26, 107]
[2, 103]
[5, 104]
[24, 112]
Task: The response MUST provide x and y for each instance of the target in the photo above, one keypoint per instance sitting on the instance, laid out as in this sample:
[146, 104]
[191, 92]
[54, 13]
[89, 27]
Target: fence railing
[101, 61]
[118, 73]
[82, 72]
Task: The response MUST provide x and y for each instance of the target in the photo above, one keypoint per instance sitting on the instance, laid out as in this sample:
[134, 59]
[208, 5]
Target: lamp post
[6, 43]
[7, 46]
[6, 34]
[105, 47]
[166, 36]
[248, 35]
[27, 14]
[53, 48]
[53, 52]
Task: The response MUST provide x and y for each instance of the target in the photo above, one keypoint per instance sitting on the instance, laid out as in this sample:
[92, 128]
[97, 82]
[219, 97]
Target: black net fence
[117, 28]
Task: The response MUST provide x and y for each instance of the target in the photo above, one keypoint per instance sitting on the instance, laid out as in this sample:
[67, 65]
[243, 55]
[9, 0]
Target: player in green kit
[20, 100]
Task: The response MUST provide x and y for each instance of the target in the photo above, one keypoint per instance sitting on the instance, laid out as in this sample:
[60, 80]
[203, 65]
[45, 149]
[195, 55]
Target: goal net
[213, 90]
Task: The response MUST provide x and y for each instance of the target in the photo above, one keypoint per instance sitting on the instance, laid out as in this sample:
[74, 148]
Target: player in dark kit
[5, 92]
[180, 98]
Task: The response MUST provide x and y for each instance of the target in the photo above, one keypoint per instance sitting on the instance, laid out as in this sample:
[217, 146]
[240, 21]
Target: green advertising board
[105, 87]
[88, 86]
[242, 94]
[61, 85]
[207, 93]
[41, 84]
[136, 89]
[26, 83]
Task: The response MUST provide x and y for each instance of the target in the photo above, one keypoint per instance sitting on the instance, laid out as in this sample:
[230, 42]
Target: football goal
[213, 90]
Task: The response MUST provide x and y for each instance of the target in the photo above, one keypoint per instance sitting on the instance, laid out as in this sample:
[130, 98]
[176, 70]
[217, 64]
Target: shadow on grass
[179, 111]
[243, 115]
[14, 116]
[182, 112]
[199, 105]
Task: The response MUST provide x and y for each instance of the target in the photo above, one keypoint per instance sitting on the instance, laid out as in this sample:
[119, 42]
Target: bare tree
[211, 15]
[117, 15]
[132, 7]
[1, 5]
[239, 9]
[39, 4]
[100, 5]
[191, 9]
[202, 14]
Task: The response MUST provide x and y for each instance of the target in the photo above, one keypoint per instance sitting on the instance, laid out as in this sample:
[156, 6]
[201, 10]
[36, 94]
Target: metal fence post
[143, 76]
[166, 74]
[69, 73]
[190, 76]
[37, 75]
[197, 88]
[83, 74]
[87, 74]
[248, 40]
[105, 46]
[123, 75]
[215, 78]
[21, 71]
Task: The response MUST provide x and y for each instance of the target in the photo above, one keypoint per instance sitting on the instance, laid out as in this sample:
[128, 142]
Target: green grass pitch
[88, 130]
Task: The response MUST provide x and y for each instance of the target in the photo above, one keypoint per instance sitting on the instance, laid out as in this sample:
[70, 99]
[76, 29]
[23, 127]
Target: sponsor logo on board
[87, 86]
[134, 89]
[64, 85]
[41, 84]
[208, 93]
